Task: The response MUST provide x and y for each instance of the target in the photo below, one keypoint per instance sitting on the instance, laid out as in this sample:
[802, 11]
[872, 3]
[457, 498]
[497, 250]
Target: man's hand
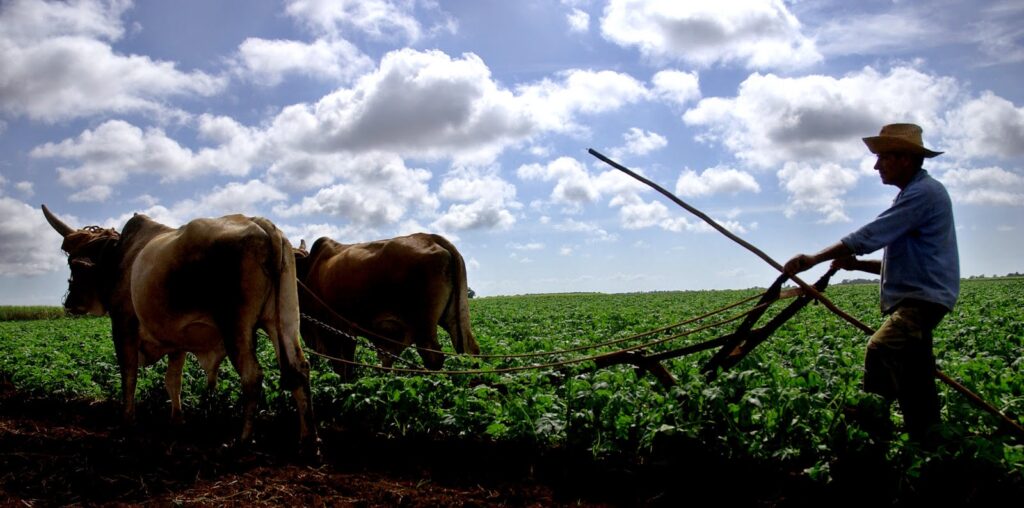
[802, 262]
[846, 263]
[799, 263]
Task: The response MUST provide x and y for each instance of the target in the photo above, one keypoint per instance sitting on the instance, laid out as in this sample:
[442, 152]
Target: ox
[203, 288]
[401, 289]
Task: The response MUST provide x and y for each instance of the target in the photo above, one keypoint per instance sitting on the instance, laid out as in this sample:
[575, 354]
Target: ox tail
[456, 312]
[281, 310]
[281, 321]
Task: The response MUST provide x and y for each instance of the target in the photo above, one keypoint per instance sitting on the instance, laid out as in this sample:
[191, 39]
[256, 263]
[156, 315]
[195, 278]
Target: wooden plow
[733, 347]
[810, 291]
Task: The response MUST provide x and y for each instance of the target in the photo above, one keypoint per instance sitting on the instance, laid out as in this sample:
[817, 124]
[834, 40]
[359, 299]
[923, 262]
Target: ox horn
[57, 224]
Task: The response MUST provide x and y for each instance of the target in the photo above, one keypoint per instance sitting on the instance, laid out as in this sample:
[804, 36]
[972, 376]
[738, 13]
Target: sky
[368, 119]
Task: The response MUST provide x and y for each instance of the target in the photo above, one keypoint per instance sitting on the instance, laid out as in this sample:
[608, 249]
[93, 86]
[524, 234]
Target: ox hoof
[240, 445]
[309, 451]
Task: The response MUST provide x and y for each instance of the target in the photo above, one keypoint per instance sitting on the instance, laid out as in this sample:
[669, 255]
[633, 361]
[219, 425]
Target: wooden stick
[711, 222]
[810, 290]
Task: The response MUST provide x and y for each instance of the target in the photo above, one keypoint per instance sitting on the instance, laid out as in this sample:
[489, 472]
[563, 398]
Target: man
[920, 275]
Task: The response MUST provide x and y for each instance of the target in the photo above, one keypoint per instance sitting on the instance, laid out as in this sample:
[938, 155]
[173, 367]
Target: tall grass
[29, 313]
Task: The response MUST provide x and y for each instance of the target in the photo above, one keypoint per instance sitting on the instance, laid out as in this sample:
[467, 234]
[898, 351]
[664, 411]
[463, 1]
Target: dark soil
[61, 453]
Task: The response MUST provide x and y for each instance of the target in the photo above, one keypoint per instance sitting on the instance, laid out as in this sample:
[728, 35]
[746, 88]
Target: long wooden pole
[808, 289]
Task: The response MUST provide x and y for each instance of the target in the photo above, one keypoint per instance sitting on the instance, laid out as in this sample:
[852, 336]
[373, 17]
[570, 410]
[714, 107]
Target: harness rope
[562, 363]
[767, 299]
[368, 334]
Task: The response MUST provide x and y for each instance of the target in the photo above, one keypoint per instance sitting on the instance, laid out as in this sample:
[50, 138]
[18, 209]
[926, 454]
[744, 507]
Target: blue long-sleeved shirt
[920, 260]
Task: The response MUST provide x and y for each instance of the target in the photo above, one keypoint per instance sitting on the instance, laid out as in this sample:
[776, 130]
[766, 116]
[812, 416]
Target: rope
[548, 365]
[368, 334]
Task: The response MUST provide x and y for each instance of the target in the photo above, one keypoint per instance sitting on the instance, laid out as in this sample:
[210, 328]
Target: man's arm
[863, 265]
[802, 262]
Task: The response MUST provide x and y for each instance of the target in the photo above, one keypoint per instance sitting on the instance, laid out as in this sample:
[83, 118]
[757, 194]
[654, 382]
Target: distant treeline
[972, 277]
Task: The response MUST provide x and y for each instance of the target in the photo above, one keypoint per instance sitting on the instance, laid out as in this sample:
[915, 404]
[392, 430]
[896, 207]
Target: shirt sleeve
[900, 219]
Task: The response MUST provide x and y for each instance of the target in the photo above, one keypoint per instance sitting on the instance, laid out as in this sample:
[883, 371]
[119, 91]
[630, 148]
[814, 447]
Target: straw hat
[899, 137]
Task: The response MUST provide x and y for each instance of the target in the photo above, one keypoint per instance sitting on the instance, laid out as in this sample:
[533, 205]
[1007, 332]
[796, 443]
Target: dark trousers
[900, 365]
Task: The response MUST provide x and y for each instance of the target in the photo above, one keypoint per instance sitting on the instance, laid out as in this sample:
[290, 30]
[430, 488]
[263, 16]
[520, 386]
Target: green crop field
[780, 406]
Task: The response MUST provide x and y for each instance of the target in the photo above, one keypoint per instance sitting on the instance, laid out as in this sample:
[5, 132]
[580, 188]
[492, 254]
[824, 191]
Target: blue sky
[368, 119]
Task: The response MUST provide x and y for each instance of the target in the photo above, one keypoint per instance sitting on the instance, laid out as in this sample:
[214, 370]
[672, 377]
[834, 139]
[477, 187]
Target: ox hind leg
[210, 362]
[428, 347]
[295, 378]
[332, 346]
[403, 335]
[172, 382]
[242, 353]
[398, 336]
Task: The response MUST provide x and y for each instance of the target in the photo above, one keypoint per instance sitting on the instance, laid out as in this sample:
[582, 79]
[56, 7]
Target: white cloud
[26, 188]
[59, 64]
[817, 189]
[989, 30]
[370, 196]
[348, 202]
[267, 62]
[574, 187]
[28, 20]
[594, 232]
[380, 19]
[988, 126]
[635, 213]
[475, 215]
[815, 119]
[115, 150]
[677, 87]
[238, 149]
[416, 103]
[716, 180]
[868, 34]
[526, 246]
[484, 202]
[248, 198]
[757, 33]
[579, 21]
[998, 32]
[311, 232]
[640, 142]
[554, 105]
[28, 245]
[985, 186]
[92, 194]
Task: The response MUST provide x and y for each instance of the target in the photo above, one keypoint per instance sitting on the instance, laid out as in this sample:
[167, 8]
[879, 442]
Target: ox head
[89, 253]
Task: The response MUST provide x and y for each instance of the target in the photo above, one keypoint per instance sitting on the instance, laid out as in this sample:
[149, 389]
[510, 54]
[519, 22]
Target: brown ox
[401, 289]
[203, 288]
